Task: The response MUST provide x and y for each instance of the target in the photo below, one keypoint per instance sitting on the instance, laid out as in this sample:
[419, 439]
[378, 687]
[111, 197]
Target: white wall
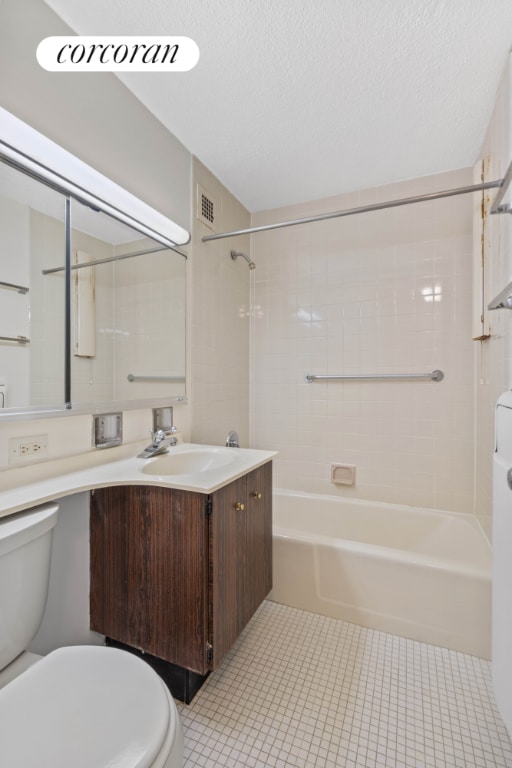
[219, 314]
[66, 618]
[347, 296]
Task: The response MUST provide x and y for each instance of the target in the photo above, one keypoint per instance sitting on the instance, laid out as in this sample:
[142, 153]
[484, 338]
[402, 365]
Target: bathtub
[420, 573]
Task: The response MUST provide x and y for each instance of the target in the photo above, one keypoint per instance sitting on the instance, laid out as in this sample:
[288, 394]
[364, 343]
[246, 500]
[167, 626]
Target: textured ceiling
[294, 100]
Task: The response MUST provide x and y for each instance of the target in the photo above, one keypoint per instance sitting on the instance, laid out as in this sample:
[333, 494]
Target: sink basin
[189, 462]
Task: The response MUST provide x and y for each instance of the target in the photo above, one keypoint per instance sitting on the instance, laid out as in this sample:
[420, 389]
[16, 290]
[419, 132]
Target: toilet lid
[85, 707]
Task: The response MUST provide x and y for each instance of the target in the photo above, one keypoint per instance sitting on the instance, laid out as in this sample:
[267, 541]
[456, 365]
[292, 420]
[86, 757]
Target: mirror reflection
[32, 330]
[127, 312]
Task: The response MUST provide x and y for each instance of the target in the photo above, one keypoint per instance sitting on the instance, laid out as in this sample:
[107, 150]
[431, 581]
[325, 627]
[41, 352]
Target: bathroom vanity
[177, 574]
[179, 549]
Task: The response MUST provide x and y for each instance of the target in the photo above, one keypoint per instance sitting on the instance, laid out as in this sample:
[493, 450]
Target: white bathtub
[419, 573]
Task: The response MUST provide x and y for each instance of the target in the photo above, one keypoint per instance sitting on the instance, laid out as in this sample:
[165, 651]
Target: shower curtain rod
[496, 208]
[114, 258]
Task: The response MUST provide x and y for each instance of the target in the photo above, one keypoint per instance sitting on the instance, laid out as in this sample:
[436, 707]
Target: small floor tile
[307, 691]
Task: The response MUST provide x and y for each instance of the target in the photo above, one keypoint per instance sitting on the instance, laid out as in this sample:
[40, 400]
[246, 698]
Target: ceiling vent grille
[206, 208]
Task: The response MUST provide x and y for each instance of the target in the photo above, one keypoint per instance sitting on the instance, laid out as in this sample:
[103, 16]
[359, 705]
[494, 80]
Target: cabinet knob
[256, 494]
[239, 506]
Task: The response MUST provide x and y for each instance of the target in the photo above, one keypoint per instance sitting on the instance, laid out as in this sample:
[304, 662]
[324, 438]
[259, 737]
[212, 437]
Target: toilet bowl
[79, 706]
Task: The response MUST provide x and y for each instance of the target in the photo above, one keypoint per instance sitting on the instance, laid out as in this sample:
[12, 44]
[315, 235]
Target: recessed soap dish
[343, 474]
[108, 430]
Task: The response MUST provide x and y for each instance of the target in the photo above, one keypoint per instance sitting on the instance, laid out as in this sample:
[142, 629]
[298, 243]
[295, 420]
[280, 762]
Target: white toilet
[80, 706]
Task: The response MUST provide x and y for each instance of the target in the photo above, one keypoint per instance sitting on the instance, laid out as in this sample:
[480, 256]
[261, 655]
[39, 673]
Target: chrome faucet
[161, 441]
[232, 440]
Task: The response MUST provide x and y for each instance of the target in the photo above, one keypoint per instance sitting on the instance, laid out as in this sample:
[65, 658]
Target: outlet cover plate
[26, 449]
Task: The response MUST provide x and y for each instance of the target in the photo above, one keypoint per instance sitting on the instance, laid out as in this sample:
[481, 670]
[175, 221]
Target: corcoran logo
[117, 54]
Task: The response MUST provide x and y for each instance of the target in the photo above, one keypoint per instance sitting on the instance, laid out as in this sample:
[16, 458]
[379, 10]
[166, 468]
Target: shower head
[236, 254]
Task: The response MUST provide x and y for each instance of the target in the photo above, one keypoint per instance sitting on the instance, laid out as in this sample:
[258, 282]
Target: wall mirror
[92, 305]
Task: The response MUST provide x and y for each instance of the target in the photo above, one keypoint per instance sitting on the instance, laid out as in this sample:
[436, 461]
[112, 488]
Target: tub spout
[232, 440]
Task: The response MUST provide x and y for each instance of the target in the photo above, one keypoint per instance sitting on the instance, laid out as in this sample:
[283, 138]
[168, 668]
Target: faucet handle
[157, 436]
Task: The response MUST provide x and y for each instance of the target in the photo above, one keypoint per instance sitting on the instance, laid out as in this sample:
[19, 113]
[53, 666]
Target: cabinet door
[227, 567]
[240, 555]
[258, 576]
[149, 571]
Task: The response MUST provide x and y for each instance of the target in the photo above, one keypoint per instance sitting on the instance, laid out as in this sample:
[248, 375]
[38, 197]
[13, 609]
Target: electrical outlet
[26, 449]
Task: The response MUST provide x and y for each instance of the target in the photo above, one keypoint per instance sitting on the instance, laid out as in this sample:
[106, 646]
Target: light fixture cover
[30, 150]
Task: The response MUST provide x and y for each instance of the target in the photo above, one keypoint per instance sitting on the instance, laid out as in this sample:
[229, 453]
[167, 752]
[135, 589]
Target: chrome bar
[14, 287]
[132, 377]
[503, 300]
[17, 339]
[114, 258]
[67, 302]
[434, 376]
[497, 207]
[361, 209]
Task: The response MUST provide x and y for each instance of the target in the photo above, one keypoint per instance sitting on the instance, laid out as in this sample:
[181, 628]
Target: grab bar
[14, 287]
[497, 206]
[17, 339]
[503, 300]
[132, 377]
[434, 376]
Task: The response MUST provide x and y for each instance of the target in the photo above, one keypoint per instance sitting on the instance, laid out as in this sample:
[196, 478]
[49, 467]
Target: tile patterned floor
[308, 691]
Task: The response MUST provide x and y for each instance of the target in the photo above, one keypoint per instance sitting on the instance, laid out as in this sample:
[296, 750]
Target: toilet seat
[87, 706]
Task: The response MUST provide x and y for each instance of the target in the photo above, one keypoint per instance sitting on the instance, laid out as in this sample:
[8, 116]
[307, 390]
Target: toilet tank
[25, 551]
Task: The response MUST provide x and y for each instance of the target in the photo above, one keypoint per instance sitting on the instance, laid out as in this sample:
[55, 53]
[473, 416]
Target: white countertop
[29, 486]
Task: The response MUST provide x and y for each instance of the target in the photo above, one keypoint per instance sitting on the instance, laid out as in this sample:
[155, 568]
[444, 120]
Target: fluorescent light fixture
[37, 155]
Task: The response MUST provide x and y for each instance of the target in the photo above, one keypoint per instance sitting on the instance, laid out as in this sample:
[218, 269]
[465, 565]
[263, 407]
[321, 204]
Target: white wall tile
[388, 293]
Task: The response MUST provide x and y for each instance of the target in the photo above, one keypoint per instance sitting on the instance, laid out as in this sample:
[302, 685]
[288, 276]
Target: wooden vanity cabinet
[178, 574]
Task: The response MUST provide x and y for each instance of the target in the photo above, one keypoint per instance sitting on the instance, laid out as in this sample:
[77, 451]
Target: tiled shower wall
[150, 309]
[382, 292]
[494, 356]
